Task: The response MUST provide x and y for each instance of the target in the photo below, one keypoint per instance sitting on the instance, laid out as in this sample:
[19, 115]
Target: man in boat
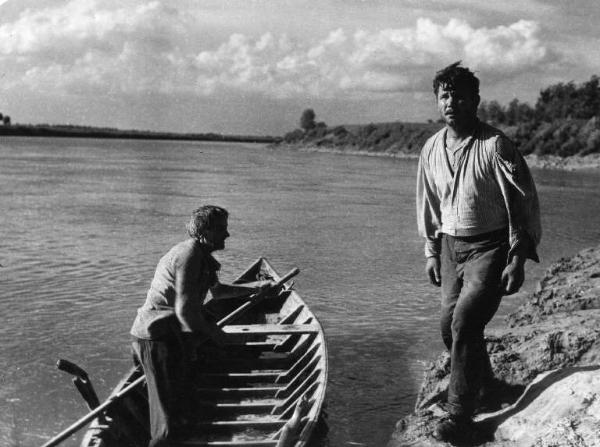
[478, 209]
[172, 321]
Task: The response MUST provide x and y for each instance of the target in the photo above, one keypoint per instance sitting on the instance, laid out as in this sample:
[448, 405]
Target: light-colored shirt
[480, 186]
[156, 318]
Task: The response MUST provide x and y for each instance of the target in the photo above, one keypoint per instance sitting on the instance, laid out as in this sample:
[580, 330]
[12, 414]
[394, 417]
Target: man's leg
[163, 367]
[451, 286]
[470, 297]
[476, 305]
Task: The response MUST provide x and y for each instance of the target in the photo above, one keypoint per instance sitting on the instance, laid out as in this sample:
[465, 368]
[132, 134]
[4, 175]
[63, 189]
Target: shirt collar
[466, 142]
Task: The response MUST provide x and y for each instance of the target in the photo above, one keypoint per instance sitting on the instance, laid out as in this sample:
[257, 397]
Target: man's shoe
[453, 428]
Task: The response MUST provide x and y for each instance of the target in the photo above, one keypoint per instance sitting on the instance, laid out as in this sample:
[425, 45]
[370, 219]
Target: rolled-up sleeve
[520, 196]
[429, 221]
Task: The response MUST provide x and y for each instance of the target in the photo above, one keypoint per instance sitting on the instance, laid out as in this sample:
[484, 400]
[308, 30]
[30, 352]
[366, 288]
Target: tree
[569, 101]
[589, 104]
[518, 112]
[294, 136]
[493, 112]
[6, 120]
[307, 120]
[556, 101]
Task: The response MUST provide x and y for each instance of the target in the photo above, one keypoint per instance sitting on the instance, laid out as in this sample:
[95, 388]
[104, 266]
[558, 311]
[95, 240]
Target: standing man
[172, 321]
[478, 209]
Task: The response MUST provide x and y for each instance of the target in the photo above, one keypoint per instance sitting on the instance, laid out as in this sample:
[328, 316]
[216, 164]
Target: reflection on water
[85, 221]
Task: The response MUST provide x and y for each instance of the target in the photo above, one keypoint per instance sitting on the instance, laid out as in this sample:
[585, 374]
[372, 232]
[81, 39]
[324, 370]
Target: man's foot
[496, 395]
[454, 428]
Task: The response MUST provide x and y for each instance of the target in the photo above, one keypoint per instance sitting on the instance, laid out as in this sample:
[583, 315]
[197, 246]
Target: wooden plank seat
[240, 391]
[270, 329]
[256, 404]
[244, 363]
[194, 443]
[260, 374]
[246, 423]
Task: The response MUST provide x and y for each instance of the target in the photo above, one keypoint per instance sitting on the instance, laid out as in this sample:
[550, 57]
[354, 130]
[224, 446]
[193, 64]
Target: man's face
[458, 107]
[217, 234]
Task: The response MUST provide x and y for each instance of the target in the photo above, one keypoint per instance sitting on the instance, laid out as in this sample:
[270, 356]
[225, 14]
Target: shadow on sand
[488, 423]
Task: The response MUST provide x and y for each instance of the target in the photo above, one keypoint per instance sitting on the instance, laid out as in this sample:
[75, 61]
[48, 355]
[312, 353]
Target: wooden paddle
[254, 300]
[82, 382]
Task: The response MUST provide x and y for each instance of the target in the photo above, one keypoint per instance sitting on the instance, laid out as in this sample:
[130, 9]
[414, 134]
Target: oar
[82, 382]
[254, 300]
[257, 298]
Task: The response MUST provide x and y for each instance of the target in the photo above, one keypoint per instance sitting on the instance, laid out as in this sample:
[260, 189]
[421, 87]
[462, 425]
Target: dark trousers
[471, 269]
[168, 381]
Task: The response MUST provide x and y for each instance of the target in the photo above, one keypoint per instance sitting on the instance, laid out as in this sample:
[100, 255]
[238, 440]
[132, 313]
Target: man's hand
[513, 275]
[432, 268]
[268, 287]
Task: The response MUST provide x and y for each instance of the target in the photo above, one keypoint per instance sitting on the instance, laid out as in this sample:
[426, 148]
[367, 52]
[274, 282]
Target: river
[84, 222]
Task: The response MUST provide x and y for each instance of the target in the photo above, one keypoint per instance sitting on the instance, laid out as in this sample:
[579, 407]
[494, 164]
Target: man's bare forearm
[225, 291]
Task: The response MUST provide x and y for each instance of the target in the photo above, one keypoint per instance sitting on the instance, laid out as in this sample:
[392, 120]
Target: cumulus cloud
[54, 33]
[152, 48]
[385, 61]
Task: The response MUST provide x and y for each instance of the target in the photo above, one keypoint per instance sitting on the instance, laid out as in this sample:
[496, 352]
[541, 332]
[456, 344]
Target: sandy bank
[575, 162]
[547, 362]
[589, 162]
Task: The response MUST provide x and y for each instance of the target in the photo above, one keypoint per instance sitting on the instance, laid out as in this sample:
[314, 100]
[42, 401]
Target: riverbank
[68, 131]
[566, 144]
[547, 366]
[572, 163]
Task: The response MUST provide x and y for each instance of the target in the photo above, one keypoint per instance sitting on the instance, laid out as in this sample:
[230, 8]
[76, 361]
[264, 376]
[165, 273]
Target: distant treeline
[564, 121]
[391, 138]
[47, 130]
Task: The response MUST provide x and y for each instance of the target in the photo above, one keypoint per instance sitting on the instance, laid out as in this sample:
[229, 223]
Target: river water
[84, 222]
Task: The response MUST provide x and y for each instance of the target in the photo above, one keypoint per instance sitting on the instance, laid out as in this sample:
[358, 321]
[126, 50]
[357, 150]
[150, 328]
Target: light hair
[204, 218]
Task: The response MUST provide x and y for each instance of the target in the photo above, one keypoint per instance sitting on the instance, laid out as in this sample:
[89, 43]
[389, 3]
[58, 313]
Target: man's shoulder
[488, 132]
[184, 247]
[495, 140]
[431, 143]
[184, 252]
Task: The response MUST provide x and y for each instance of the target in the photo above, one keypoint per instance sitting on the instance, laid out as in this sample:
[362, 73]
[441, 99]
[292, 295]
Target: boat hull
[265, 389]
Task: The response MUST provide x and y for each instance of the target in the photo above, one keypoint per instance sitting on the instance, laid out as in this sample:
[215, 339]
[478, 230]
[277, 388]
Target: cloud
[391, 60]
[56, 33]
[151, 48]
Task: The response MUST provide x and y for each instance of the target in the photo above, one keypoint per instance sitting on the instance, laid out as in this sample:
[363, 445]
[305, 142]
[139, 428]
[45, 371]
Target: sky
[250, 67]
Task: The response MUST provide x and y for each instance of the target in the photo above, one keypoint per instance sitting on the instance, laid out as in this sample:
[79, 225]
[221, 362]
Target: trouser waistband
[495, 235]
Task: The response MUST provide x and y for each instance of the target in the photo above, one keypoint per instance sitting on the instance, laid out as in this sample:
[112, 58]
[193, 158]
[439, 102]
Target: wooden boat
[266, 389]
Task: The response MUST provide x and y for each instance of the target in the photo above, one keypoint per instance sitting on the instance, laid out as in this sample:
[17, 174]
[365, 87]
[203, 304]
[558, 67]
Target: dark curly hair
[203, 218]
[454, 76]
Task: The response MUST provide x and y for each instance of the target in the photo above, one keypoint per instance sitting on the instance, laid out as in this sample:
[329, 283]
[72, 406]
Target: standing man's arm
[429, 222]
[513, 274]
[432, 268]
[520, 196]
